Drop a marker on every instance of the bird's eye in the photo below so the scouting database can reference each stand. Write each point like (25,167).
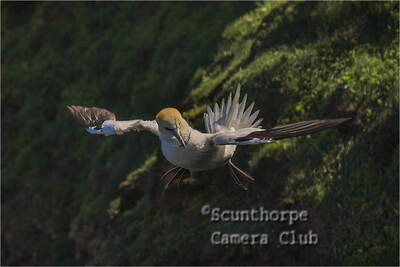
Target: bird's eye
(169,129)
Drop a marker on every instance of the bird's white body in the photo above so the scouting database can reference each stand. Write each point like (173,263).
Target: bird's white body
(200,152)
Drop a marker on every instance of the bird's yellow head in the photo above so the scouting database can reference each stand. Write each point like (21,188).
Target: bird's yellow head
(171,123)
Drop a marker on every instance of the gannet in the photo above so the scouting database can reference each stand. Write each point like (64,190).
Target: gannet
(227,125)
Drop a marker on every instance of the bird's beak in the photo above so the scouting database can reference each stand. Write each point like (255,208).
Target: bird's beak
(177,134)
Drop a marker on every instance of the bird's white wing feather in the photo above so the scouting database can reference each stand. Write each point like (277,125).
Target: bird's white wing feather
(121,127)
(254,136)
(234,137)
(102,121)
(231,116)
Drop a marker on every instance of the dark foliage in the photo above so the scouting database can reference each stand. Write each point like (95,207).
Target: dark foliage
(72,198)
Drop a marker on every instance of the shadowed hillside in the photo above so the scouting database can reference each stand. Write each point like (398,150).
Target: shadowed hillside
(72,198)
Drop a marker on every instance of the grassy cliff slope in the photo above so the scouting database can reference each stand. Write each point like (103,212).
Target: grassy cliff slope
(72,198)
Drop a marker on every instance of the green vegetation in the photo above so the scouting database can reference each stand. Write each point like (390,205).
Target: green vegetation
(73,198)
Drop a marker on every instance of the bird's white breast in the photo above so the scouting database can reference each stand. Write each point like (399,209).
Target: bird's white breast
(199,153)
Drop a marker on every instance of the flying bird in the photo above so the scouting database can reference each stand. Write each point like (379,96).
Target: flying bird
(227,125)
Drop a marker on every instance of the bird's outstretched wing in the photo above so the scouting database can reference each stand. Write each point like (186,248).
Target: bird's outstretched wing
(251,136)
(91,117)
(101,121)
(231,116)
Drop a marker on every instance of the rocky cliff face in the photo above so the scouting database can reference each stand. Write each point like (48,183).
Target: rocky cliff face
(72,198)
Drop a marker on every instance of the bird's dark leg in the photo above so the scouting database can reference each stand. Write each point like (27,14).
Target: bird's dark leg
(168,172)
(173,177)
(181,177)
(242,173)
(236,179)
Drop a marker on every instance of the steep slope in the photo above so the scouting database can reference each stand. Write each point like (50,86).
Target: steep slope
(298,61)
(132,58)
